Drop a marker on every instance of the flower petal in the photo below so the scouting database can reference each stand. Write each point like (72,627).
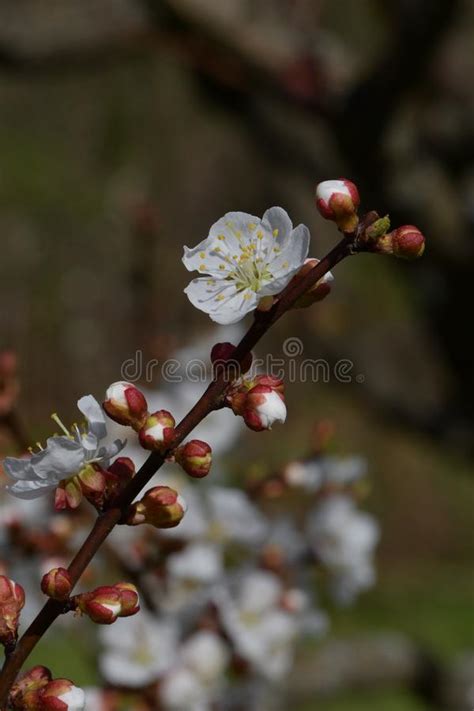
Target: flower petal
(61,458)
(280,225)
(19,468)
(288,262)
(94,414)
(111,450)
(30,489)
(221,300)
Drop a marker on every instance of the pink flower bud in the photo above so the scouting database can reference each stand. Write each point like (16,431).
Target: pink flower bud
(102,605)
(263,407)
(338,200)
(195,457)
(125,404)
(407,242)
(222,353)
(93,484)
(68,494)
(318,291)
(117,476)
(12,600)
(161,507)
(25,692)
(61,695)
(57,584)
(157,431)
(129,600)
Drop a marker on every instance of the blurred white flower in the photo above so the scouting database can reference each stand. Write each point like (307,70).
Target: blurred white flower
(245,258)
(222,515)
(261,632)
(137,650)
(195,682)
(343,538)
(199,562)
(64,456)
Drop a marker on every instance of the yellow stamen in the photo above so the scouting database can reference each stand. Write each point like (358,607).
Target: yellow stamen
(55,418)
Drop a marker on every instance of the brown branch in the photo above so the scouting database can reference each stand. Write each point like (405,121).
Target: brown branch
(206,404)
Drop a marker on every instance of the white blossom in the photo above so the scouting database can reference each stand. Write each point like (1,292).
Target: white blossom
(64,455)
(137,650)
(344,539)
(262,632)
(244,259)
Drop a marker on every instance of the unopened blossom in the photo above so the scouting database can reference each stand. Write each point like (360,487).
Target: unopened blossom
(338,200)
(157,431)
(260,401)
(62,695)
(126,404)
(195,457)
(108,602)
(64,457)
(318,291)
(406,242)
(25,692)
(161,507)
(57,584)
(243,260)
(12,601)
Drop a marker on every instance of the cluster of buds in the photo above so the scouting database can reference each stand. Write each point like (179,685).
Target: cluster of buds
(98,485)
(126,404)
(36,690)
(161,507)
(108,602)
(12,601)
(260,401)
(338,200)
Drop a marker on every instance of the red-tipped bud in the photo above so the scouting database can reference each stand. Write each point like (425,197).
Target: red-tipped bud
(338,200)
(195,457)
(161,507)
(57,584)
(222,356)
(93,483)
(318,291)
(68,494)
(157,431)
(118,475)
(25,692)
(129,600)
(61,695)
(102,605)
(125,404)
(408,242)
(12,600)
(263,407)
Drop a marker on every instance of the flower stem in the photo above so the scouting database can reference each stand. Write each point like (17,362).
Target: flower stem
(106,521)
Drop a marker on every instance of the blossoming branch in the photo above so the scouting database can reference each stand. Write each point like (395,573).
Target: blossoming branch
(246,264)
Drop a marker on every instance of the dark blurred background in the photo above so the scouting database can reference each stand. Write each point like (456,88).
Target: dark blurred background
(129,126)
